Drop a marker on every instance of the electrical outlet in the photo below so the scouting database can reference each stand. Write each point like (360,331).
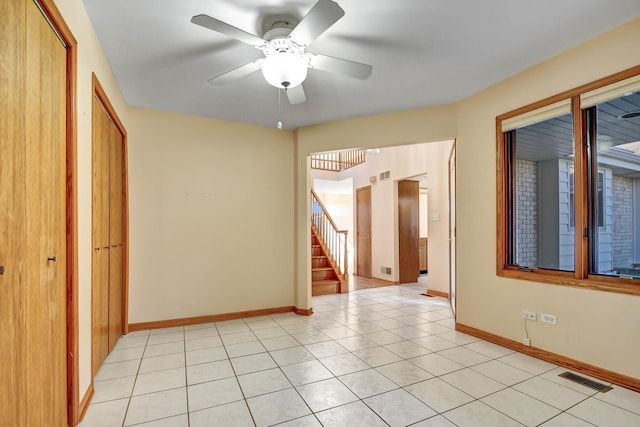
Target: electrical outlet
(529,315)
(526,341)
(548,318)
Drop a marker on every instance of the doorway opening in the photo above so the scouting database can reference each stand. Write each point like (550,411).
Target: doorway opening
(376,222)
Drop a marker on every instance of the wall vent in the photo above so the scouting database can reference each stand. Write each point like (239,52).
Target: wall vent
(385,270)
(385,175)
(585,382)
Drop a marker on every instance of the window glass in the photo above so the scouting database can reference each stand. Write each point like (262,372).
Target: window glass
(541,193)
(615,200)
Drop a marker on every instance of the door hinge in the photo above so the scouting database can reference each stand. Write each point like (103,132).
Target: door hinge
(585,235)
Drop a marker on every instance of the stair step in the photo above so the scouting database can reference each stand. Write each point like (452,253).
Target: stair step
(325,282)
(319,261)
(323,273)
(323,277)
(325,287)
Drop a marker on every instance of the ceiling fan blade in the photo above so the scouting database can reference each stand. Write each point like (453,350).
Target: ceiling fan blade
(340,66)
(236,73)
(323,15)
(296,95)
(228,30)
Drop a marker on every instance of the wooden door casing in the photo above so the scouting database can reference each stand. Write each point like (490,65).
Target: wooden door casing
(452,228)
(408,231)
(363,232)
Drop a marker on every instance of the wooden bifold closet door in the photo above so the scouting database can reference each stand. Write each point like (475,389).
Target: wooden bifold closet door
(33,99)
(108,235)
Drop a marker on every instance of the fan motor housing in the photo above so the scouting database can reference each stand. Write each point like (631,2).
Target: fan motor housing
(278,28)
(274,26)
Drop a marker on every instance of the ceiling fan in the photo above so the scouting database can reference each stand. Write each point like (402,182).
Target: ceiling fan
(284,43)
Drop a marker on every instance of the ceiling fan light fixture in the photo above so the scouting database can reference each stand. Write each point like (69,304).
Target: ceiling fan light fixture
(284,69)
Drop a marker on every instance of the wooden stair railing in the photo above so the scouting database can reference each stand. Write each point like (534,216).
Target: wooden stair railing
(337,161)
(330,243)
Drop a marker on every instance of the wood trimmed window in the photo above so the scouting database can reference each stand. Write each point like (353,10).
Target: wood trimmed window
(568,187)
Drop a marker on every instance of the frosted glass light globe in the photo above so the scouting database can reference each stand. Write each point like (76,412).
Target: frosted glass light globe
(284,70)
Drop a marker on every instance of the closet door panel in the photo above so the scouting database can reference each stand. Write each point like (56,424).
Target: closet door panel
(13,213)
(45,272)
(96,235)
(115,236)
(101,249)
(105,162)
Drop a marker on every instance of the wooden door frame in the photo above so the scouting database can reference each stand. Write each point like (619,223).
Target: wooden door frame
(453,219)
(98,91)
(53,15)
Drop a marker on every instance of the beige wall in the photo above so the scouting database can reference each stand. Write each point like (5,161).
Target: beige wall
(595,327)
(211,214)
(91,59)
(424,213)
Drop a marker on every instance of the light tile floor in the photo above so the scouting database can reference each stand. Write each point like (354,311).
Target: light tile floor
(374,357)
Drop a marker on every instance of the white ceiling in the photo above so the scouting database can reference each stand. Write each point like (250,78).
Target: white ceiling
(423,52)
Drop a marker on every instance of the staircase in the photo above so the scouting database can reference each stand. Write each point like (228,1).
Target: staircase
(329,268)
(324,279)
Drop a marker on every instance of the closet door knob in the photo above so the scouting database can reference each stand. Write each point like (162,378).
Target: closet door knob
(51,259)
(1,270)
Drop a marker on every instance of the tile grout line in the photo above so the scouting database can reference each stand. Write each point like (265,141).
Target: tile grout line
(126,412)
(244,397)
(186,377)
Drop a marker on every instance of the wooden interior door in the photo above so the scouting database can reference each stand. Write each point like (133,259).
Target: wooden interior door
(408,230)
(96,237)
(363,232)
(452,228)
(116,235)
(104,212)
(46,337)
(107,234)
(33,341)
(100,236)
(13,213)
